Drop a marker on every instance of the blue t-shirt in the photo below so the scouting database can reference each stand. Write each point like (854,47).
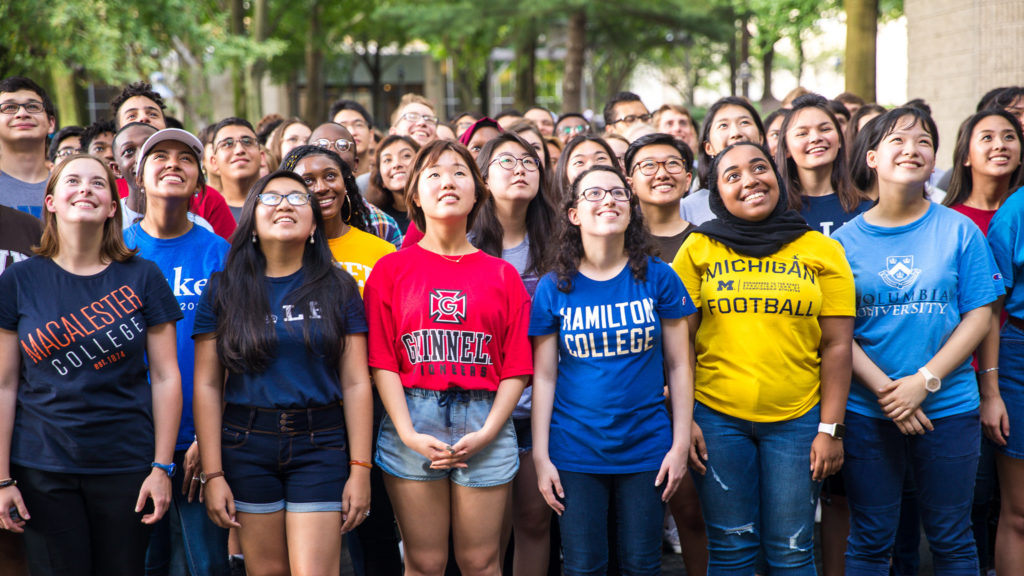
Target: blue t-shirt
(297,377)
(825,213)
(913,284)
(1007,243)
(84,401)
(609,414)
(187,263)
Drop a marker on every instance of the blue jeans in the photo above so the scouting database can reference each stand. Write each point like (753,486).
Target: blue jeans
(757,493)
(185,541)
(945,462)
(584,524)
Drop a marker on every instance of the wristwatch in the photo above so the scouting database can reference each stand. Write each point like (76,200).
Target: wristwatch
(932,383)
(837,430)
(204,477)
(168,468)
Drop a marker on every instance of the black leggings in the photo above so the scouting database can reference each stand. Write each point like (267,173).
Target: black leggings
(83,524)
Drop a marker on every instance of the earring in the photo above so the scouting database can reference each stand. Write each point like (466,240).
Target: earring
(253,237)
(311,239)
(348,203)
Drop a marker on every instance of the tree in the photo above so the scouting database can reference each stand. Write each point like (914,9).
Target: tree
(861,34)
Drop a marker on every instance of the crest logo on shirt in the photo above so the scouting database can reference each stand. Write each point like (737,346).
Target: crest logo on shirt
(899,271)
(448,306)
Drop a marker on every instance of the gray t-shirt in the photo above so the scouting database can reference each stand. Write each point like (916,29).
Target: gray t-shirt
(519,257)
(695,208)
(24,196)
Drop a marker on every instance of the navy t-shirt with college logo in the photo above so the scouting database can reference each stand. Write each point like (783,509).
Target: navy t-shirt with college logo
(84,400)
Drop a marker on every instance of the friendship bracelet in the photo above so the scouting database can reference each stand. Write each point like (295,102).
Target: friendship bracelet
(987,370)
(362,463)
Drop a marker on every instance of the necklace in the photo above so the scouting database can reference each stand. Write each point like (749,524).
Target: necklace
(456,260)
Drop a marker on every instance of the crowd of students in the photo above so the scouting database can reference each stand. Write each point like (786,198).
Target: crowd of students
(465,337)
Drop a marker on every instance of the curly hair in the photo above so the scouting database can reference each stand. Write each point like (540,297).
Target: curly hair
(144,89)
(359,213)
(637,242)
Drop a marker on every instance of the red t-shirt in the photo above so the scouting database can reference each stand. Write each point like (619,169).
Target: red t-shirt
(412,236)
(441,324)
(211,206)
(977,215)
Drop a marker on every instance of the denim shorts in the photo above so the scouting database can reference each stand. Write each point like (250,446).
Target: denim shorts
(1011,386)
(448,416)
(294,460)
(524,434)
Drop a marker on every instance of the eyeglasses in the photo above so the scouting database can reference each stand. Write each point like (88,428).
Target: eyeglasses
(573,129)
(295,198)
(633,118)
(340,145)
(32,107)
(415,117)
(650,167)
(508,162)
(598,194)
(229,143)
(65,152)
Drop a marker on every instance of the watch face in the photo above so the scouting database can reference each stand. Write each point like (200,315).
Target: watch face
(932,384)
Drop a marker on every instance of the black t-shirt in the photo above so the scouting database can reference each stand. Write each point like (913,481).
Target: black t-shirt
(84,401)
(18,233)
(669,245)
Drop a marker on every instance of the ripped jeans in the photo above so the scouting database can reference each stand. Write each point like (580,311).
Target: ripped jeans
(757,494)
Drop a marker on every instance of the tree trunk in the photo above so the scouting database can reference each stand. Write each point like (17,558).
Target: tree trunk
(238,71)
(767,65)
(258,70)
(65,95)
(526,66)
(314,111)
(744,66)
(801,59)
(861,34)
(575,48)
(733,64)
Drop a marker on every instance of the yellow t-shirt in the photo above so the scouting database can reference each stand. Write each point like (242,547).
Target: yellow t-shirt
(357,252)
(758,340)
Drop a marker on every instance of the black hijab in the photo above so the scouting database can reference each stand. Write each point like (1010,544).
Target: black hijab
(756,239)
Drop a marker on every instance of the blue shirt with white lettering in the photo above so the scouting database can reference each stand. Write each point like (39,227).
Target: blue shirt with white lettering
(825,213)
(297,377)
(914,282)
(609,414)
(187,263)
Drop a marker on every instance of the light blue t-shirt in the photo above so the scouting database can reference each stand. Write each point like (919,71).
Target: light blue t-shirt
(1007,243)
(187,263)
(696,208)
(609,414)
(913,284)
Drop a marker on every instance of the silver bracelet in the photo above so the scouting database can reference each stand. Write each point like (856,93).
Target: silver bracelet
(987,370)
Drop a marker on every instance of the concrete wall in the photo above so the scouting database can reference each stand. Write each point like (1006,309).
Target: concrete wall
(957,51)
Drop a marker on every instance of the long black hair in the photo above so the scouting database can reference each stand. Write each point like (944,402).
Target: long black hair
(560,177)
(570,253)
(961,182)
(487,233)
(864,177)
(849,197)
(246,339)
(357,214)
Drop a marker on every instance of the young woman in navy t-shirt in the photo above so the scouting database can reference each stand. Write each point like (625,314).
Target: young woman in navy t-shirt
(285,440)
(87,427)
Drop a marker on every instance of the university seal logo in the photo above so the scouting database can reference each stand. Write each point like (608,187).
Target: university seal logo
(448,306)
(899,271)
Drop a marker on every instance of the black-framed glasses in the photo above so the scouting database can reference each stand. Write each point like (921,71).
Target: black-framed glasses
(295,198)
(650,167)
(229,143)
(339,145)
(580,129)
(633,118)
(32,107)
(596,194)
(415,117)
(508,162)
